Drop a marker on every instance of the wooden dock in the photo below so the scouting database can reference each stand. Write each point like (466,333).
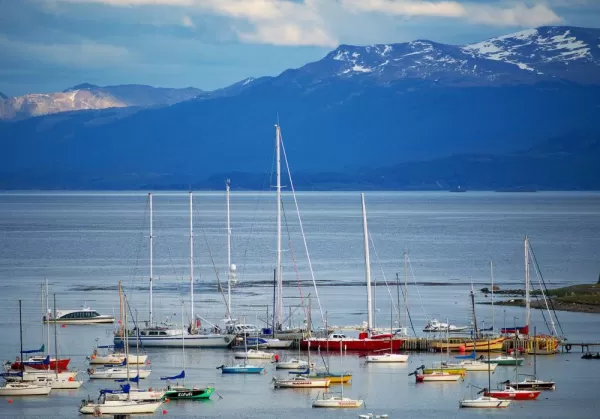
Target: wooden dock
(585,347)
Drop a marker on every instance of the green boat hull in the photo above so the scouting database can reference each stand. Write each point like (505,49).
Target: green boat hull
(189,393)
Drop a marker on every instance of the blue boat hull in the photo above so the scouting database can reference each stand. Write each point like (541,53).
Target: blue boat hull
(235,370)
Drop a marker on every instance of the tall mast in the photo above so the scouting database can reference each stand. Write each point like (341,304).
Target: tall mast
(527,302)
(137,349)
(48,323)
(406,288)
(21,337)
(182,345)
(227,186)
(150,319)
(191,261)
(367,265)
(279,308)
(127,347)
(55,341)
(492,273)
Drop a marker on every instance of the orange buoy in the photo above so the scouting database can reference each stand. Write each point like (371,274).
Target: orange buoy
(462,349)
(71,378)
(94,356)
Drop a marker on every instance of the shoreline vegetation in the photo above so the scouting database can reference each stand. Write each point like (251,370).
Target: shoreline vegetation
(582,298)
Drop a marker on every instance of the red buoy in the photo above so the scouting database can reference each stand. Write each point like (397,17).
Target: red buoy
(165,412)
(9,401)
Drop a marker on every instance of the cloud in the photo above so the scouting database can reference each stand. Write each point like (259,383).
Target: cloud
(407,8)
(519,15)
(502,14)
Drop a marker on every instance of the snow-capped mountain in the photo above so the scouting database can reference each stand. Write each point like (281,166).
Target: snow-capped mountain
(88,96)
(567,53)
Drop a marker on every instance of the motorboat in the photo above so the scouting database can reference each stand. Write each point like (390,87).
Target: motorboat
(24,389)
(510,393)
(387,358)
(254,354)
(292,364)
(337,400)
(301,381)
(84,315)
(241,369)
(434,326)
(277,343)
(484,402)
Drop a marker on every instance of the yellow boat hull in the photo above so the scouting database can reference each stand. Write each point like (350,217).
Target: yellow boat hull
(339,380)
(480,345)
(453,371)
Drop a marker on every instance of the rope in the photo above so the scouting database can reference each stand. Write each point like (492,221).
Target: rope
(382,272)
(418,292)
(312,274)
(294,260)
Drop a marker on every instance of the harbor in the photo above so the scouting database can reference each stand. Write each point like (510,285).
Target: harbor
(424,325)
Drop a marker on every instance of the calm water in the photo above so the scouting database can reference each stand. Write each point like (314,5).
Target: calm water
(84,243)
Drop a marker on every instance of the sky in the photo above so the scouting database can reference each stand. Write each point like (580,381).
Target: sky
(50,45)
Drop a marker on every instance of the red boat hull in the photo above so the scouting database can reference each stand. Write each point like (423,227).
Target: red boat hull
(63,364)
(355,345)
(513,395)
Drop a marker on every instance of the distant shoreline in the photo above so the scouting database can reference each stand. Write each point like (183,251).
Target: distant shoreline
(582,298)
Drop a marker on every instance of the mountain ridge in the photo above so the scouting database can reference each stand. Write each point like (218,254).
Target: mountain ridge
(336,117)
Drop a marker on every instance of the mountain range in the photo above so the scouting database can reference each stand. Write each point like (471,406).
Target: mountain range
(407,116)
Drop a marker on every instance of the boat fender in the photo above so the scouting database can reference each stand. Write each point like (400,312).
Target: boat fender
(91,371)
(568,347)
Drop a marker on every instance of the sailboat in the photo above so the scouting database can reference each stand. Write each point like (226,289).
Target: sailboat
(244,368)
(485,401)
(178,392)
(112,372)
(367,341)
(57,382)
(40,362)
(165,336)
(531,382)
(390,356)
(106,405)
(21,388)
(337,400)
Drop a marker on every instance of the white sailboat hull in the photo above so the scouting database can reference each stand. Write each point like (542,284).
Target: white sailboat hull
(57,383)
(484,402)
(191,341)
(253,354)
(338,402)
(117,373)
(137,395)
(117,359)
(24,389)
(35,375)
(111,407)
(387,358)
(278,344)
(293,364)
